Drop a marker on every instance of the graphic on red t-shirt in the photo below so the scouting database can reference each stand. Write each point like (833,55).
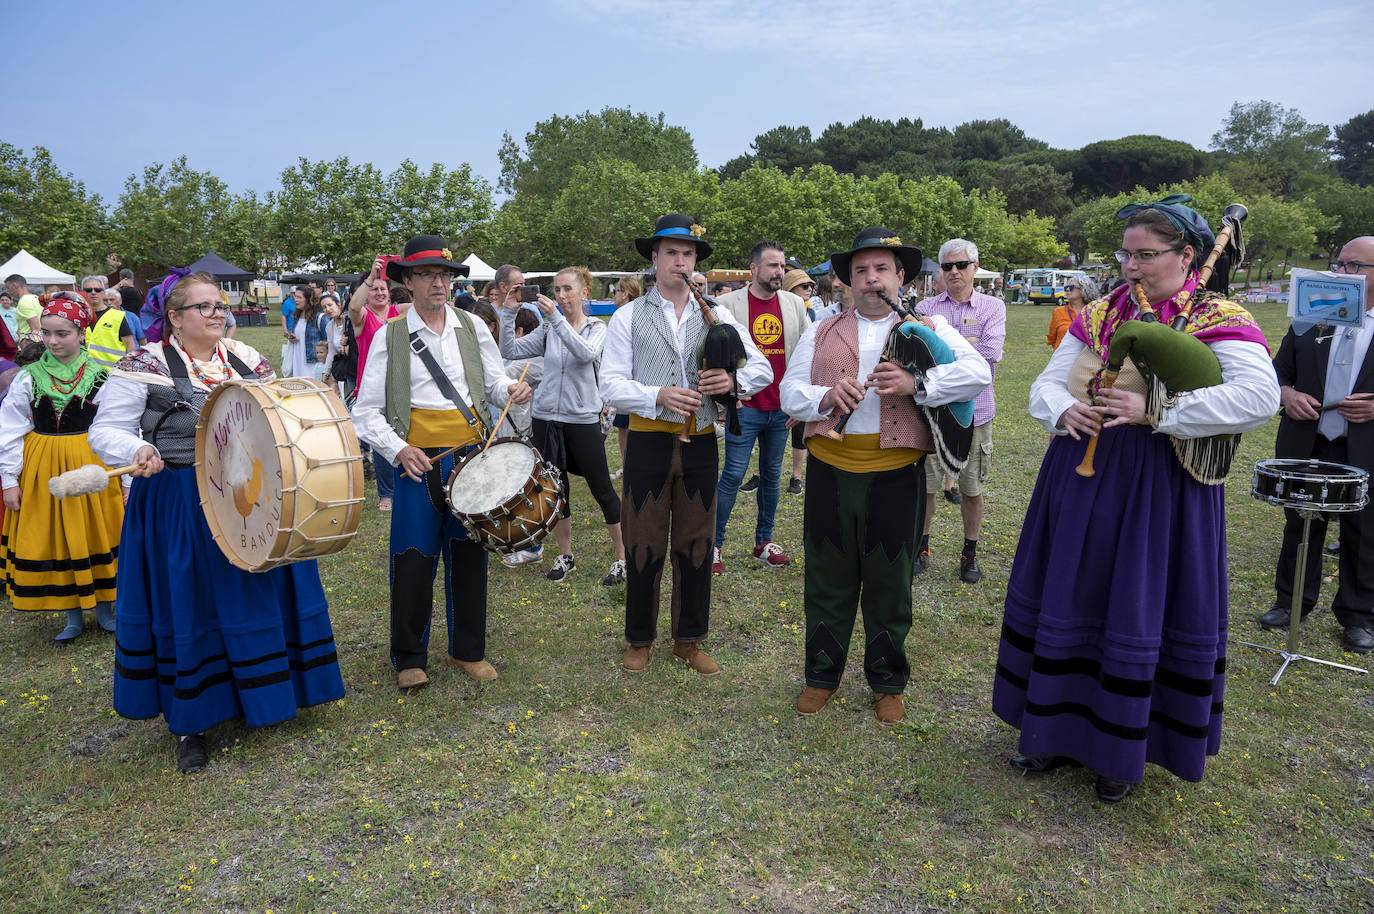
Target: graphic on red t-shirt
(765,327)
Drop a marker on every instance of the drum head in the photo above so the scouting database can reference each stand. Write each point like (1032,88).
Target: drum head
(486,480)
(240,474)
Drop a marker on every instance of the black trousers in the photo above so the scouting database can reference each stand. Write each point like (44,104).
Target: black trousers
(1353,604)
(670,488)
(579,449)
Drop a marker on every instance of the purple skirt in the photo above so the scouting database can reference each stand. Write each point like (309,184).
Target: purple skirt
(1113,646)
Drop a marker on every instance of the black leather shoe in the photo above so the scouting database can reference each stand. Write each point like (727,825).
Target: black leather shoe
(191,754)
(953,497)
(1359,640)
(1276,619)
(750,484)
(1111,791)
(969,572)
(921,564)
(1042,764)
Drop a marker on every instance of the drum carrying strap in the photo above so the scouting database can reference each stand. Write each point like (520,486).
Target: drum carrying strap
(417,346)
(176,367)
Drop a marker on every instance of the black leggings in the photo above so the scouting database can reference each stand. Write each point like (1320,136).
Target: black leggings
(578,449)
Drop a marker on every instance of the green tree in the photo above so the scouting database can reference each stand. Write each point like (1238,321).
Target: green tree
(1142,160)
(334,215)
(991,140)
(1027,188)
(1353,147)
(47,212)
(440,201)
(1277,137)
(555,146)
(243,233)
(168,217)
(1349,212)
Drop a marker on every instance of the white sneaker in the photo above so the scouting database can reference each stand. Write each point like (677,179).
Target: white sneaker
(562,567)
(617,474)
(523,557)
(616,575)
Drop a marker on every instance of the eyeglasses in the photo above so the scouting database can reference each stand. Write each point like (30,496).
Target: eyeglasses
(957,265)
(207,309)
(1349,266)
(1143,256)
(432,275)
(805,285)
(96,290)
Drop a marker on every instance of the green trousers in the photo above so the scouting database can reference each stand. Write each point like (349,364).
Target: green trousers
(860,533)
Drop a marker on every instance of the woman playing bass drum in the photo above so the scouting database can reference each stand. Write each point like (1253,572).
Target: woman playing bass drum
(198,640)
(1114,631)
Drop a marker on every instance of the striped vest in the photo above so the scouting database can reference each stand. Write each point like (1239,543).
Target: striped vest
(655,359)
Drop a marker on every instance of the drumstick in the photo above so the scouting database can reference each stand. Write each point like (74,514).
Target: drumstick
(502,418)
(86,480)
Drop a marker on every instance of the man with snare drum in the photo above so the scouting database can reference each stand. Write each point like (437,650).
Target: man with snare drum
(411,408)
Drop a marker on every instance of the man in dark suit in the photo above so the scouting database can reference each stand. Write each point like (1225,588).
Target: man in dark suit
(1336,371)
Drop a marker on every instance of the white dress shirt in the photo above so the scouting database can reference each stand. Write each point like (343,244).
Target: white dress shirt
(1246,398)
(959,380)
(16,421)
(369,411)
(618,387)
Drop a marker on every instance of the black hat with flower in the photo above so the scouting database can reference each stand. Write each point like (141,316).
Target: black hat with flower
(878,237)
(679,227)
(424,251)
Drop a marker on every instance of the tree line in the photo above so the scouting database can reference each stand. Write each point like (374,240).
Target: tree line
(577,188)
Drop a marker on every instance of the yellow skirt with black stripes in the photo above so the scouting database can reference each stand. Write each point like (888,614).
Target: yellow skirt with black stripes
(60,554)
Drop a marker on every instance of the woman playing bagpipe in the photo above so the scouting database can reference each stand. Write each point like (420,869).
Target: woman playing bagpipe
(1114,634)
(199,640)
(57,554)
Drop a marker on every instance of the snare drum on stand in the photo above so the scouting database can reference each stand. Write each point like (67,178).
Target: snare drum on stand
(1311,488)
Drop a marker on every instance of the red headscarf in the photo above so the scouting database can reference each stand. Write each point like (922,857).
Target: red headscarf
(73,306)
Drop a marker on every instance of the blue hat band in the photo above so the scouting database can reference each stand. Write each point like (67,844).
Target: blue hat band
(675,231)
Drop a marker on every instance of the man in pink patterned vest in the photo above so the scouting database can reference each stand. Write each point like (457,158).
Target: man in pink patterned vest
(865,493)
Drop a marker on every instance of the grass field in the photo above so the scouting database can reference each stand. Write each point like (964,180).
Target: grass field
(568,785)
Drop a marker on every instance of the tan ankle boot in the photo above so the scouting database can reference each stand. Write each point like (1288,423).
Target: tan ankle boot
(812,699)
(696,658)
(411,678)
(479,670)
(636,658)
(890,708)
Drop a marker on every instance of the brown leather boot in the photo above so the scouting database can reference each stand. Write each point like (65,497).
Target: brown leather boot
(479,670)
(696,658)
(812,699)
(636,658)
(411,678)
(890,708)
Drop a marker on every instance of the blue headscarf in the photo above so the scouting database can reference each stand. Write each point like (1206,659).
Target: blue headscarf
(1187,220)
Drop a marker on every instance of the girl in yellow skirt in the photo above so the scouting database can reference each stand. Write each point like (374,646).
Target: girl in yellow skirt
(57,554)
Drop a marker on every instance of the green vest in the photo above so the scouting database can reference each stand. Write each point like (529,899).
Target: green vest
(398,371)
(102,340)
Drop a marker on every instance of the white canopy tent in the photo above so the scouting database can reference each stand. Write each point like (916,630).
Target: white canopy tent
(478,269)
(985,274)
(35,271)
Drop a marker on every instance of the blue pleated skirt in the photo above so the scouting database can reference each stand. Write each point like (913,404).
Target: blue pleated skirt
(200,641)
(1113,647)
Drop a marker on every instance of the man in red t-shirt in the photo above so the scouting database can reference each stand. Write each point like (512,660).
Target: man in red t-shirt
(775,320)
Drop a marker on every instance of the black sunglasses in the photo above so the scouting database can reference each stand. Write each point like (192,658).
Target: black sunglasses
(93,291)
(957,265)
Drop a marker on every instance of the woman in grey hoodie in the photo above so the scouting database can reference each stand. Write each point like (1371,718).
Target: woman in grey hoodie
(566,408)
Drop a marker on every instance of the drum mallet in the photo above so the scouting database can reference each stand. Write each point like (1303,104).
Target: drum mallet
(433,461)
(86,480)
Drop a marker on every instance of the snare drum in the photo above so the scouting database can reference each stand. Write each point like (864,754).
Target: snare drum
(1317,485)
(279,471)
(507,497)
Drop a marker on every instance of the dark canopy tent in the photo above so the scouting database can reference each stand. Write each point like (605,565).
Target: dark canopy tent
(221,269)
(929,267)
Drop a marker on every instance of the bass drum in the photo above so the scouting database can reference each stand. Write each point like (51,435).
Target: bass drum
(279,470)
(507,497)
(1319,485)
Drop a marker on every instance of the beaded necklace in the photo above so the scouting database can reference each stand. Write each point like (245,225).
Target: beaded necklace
(196,370)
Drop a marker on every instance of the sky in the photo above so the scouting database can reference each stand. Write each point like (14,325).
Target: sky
(245,89)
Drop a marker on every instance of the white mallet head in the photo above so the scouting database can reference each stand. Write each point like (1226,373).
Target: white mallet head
(87,480)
